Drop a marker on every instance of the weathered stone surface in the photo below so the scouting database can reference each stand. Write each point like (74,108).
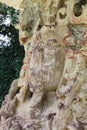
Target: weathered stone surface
(12,3)
(51,92)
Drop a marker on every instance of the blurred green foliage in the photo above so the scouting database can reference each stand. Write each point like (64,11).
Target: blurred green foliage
(11,53)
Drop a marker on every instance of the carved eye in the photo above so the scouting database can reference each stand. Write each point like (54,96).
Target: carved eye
(63,12)
(62,16)
(77,10)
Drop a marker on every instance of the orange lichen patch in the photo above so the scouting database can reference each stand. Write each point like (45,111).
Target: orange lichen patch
(25,67)
(72,54)
(78,20)
(44,1)
(35,39)
(28,56)
(67,43)
(24,40)
(77,52)
(65,39)
(69,52)
(25,60)
(28,53)
(84,56)
(84,42)
(73,57)
(75,20)
(85,32)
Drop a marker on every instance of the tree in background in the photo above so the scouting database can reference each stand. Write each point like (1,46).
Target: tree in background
(11,53)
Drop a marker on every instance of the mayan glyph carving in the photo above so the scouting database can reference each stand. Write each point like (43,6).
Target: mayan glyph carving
(51,92)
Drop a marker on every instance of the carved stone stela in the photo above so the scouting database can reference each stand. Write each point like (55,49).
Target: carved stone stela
(51,92)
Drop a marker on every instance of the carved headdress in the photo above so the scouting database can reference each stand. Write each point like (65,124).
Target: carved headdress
(49,11)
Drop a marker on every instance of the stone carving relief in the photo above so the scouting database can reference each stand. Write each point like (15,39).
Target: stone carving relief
(51,92)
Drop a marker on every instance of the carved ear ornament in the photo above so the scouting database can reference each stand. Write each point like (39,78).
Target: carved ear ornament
(78,12)
(74,12)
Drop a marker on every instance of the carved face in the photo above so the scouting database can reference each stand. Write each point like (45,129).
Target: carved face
(46,68)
